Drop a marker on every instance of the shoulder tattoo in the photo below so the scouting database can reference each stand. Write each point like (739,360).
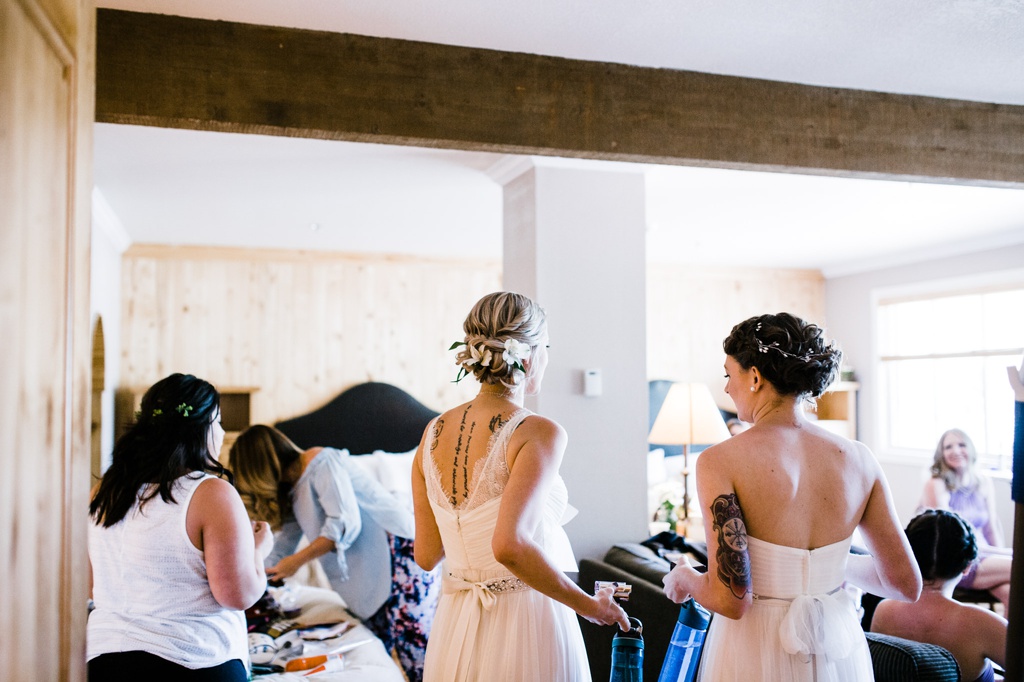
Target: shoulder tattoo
(497,422)
(437,433)
(733,559)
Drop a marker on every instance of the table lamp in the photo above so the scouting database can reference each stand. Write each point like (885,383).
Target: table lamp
(688,417)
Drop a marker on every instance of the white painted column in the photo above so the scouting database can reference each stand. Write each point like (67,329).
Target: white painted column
(574,242)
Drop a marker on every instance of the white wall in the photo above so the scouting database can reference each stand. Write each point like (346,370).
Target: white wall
(850,320)
(109,241)
(574,240)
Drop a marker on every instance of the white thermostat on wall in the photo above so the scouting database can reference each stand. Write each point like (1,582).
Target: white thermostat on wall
(591,383)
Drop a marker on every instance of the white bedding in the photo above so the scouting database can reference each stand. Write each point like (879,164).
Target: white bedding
(366,663)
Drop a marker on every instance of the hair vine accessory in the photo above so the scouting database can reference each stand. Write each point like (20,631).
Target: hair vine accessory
(774,345)
(183,409)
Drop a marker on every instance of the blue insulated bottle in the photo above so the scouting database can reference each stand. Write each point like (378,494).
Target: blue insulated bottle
(628,654)
(687,639)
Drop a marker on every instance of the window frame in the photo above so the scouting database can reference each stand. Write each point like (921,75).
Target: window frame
(1002,280)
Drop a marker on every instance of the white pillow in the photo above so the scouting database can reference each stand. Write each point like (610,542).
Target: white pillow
(394,471)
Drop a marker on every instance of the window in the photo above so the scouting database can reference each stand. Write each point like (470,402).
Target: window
(943,362)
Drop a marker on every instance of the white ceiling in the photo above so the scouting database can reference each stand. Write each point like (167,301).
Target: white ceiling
(189,187)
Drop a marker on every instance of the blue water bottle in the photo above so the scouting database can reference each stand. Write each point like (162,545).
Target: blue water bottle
(687,639)
(628,654)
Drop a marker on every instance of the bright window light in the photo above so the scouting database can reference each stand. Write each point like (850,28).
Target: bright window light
(943,365)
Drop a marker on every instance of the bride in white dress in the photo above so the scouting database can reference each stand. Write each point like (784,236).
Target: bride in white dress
(781,502)
(489,500)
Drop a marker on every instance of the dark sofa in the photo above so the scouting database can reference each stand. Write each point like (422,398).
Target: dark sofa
(893,659)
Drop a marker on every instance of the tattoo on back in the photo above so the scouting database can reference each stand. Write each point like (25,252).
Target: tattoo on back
(733,559)
(437,434)
(497,422)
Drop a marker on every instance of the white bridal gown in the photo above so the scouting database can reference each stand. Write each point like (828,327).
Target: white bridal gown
(801,626)
(490,627)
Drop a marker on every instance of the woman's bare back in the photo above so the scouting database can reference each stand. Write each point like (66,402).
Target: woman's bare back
(798,486)
(462,438)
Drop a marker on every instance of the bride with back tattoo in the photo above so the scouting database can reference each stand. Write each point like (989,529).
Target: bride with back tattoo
(782,500)
(490,502)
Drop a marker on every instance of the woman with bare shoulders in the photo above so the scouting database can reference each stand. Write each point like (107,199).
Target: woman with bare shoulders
(945,548)
(489,501)
(958,485)
(175,560)
(781,502)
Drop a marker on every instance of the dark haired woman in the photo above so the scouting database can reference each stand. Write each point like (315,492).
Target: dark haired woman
(360,533)
(800,492)
(175,560)
(945,548)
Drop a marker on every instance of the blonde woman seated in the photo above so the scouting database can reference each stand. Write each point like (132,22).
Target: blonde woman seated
(958,486)
(945,548)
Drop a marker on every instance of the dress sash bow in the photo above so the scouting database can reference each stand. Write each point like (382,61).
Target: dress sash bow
(480,590)
(803,630)
(484,595)
(820,629)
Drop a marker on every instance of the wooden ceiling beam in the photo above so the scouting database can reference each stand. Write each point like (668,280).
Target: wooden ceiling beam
(210,75)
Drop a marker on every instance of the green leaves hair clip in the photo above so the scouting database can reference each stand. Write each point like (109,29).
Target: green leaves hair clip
(183,409)
(462,368)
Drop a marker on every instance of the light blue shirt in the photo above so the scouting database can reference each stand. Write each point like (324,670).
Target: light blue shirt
(338,499)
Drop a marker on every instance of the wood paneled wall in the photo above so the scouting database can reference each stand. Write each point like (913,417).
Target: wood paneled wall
(301,327)
(298,326)
(46,110)
(690,311)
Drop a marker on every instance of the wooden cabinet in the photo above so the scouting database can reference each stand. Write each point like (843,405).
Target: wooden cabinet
(836,409)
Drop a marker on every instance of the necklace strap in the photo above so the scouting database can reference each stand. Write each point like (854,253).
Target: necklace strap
(505,393)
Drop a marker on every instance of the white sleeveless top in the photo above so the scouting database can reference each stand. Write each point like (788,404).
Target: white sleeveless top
(151,591)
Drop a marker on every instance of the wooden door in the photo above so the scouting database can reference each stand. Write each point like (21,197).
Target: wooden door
(46,109)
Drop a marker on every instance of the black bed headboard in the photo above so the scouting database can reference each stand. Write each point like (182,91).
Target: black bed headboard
(366,417)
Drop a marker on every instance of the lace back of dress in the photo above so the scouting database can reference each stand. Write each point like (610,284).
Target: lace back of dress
(490,472)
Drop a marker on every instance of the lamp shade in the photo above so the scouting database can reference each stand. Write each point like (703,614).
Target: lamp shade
(688,416)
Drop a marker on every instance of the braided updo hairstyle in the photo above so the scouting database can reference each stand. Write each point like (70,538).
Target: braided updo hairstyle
(790,353)
(943,543)
(493,320)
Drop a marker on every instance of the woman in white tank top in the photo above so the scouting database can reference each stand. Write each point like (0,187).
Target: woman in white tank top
(175,560)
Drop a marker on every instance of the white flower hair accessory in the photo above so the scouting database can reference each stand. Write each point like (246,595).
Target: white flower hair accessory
(515,353)
(476,357)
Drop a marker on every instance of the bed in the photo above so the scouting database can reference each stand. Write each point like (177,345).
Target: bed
(383,424)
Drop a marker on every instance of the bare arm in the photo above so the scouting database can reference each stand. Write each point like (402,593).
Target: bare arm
(233,548)
(1017,381)
(935,495)
(994,530)
(990,633)
(536,451)
(726,587)
(290,564)
(427,548)
(890,569)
